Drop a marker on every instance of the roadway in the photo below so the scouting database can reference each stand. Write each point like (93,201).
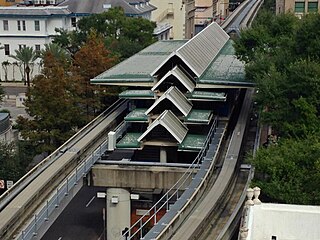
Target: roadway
(82,219)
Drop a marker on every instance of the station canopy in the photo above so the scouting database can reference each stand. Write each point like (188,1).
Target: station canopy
(137,115)
(171,123)
(209,56)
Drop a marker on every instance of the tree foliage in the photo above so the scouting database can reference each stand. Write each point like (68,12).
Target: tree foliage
(91,60)
(26,56)
(53,106)
(124,35)
(285,67)
(290,171)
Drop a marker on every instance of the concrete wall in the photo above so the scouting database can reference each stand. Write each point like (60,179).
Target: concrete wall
(284,221)
(176,19)
(141,177)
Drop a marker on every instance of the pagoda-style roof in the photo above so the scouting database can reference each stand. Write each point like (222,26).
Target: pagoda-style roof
(192,142)
(137,94)
(209,57)
(198,116)
(200,50)
(179,75)
(177,98)
(207,96)
(171,123)
(137,115)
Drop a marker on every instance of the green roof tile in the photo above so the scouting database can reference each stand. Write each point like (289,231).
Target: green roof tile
(129,141)
(198,116)
(137,115)
(192,142)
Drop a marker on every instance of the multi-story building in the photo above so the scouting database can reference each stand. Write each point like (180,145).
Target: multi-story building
(9,2)
(34,26)
(298,7)
(28,26)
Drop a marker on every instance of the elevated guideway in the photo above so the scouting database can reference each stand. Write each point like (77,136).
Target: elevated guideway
(41,187)
(31,200)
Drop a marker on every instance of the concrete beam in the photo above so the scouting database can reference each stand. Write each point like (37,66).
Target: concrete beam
(139,177)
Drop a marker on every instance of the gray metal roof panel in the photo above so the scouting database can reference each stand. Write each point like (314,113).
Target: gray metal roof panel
(97,6)
(201,50)
(171,123)
(140,65)
(180,75)
(177,98)
(33,11)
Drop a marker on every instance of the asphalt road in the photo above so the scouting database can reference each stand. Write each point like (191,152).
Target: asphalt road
(82,219)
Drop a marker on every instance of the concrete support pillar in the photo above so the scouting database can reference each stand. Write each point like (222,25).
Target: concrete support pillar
(163,155)
(118,212)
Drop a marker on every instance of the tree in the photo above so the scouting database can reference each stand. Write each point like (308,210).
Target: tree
(60,54)
(10,168)
(124,35)
(289,172)
(26,56)
(53,105)
(285,68)
(91,60)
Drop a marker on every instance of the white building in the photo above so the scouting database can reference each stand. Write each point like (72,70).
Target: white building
(35,26)
(28,26)
(270,221)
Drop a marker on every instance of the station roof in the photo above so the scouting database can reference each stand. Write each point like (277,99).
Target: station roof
(198,116)
(171,123)
(138,67)
(192,142)
(137,115)
(177,98)
(178,74)
(139,94)
(209,55)
(129,141)
(207,96)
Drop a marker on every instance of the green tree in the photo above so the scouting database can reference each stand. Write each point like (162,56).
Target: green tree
(290,171)
(10,168)
(53,105)
(26,56)
(59,53)
(124,35)
(92,59)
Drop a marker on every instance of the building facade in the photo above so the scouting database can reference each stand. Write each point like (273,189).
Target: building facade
(28,26)
(299,7)
(34,26)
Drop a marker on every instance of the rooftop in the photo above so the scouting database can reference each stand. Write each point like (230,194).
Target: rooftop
(99,6)
(283,221)
(223,69)
(46,11)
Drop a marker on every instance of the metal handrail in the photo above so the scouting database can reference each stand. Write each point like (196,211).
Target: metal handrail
(11,193)
(174,190)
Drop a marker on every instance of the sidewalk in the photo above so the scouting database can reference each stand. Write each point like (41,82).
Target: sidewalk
(13,84)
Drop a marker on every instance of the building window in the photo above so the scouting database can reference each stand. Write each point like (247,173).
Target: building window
(21,46)
(312,6)
(37,49)
(21,23)
(73,22)
(299,7)
(37,25)
(6,49)
(5,25)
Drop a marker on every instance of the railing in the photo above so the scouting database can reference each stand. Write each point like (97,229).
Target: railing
(8,195)
(60,194)
(173,193)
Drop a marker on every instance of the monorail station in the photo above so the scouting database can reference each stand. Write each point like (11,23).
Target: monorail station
(178,92)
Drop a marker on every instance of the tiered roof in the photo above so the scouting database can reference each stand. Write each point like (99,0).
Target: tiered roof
(205,61)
